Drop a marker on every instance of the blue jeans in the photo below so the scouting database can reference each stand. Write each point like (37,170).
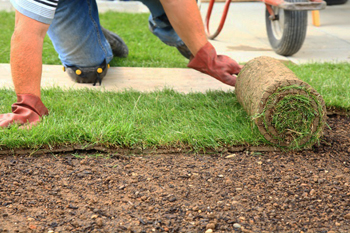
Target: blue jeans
(77,37)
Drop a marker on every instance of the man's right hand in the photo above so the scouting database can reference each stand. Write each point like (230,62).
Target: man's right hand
(221,67)
(28,109)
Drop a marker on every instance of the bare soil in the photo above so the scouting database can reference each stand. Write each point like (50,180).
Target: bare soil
(307,191)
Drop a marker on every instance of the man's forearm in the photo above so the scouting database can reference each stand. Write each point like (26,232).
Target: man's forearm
(26,65)
(185,18)
(26,54)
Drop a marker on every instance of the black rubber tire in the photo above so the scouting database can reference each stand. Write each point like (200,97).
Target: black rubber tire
(335,2)
(293,35)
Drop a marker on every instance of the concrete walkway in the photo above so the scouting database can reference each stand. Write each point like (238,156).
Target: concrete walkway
(243,38)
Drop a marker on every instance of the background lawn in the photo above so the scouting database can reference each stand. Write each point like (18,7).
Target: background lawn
(145,49)
(146,120)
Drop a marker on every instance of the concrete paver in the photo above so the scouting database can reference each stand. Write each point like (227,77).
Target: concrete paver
(121,78)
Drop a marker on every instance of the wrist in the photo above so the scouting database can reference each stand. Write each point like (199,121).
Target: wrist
(32,102)
(205,55)
(198,46)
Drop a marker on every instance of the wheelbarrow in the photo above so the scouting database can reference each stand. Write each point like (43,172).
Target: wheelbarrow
(286,22)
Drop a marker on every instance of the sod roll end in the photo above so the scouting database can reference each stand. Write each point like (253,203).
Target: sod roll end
(287,111)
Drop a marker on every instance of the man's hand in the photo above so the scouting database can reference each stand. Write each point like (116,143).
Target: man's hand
(28,109)
(220,67)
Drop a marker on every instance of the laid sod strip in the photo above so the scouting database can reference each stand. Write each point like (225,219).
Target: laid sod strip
(134,120)
(287,111)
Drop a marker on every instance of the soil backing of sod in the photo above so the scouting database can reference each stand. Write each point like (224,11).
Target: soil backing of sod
(287,111)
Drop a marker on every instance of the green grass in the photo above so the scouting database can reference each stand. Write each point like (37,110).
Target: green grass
(145,49)
(159,119)
(332,81)
(6,27)
(135,120)
(288,115)
(293,118)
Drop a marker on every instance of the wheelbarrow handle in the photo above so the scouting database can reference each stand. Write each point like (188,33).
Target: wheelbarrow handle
(222,21)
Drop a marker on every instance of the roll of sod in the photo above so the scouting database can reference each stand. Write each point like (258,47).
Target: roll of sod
(288,112)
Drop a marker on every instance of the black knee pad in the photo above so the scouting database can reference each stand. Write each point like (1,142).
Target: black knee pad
(92,74)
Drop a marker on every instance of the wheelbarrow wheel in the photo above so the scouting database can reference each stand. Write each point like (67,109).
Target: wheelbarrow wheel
(287,31)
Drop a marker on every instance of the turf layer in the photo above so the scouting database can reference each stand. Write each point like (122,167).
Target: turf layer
(131,119)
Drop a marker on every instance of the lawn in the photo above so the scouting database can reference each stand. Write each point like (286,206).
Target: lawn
(146,50)
(135,120)
(165,118)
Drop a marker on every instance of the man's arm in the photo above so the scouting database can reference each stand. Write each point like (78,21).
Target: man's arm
(185,18)
(26,54)
(26,67)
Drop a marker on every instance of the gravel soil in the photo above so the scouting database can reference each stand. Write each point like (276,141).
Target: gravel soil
(306,191)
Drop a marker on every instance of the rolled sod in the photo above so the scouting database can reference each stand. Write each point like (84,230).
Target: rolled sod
(287,111)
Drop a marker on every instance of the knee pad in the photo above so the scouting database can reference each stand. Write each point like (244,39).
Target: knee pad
(92,74)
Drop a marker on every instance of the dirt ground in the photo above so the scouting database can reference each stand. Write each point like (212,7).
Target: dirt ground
(306,191)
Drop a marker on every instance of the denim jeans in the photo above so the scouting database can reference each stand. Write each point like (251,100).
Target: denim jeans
(77,37)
